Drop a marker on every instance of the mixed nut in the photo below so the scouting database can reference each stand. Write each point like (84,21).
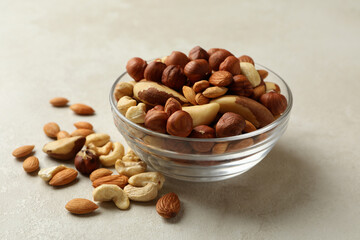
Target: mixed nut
(205,94)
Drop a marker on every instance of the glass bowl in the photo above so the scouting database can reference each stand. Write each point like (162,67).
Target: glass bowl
(175,157)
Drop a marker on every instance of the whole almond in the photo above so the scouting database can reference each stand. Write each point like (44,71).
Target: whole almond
(246,58)
(168,206)
(23,151)
(189,94)
(82,132)
(201,99)
(80,206)
(63,177)
(99,173)
(82,109)
(120,180)
(263,73)
(84,125)
(31,164)
(51,129)
(220,148)
(249,127)
(62,134)
(221,78)
(214,92)
(59,101)
(201,86)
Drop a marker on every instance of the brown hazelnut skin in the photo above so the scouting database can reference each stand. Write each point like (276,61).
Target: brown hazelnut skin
(230,124)
(198,53)
(136,67)
(172,105)
(156,120)
(86,161)
(231,64)
(217,58)
(177,58)
(197,70)
(202,131)
(173,77)
(156,108)
(246,58)
(154,70)
(241,86)
(275,102)
(179,124)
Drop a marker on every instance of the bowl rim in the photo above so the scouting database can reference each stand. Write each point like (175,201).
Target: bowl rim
(258,132)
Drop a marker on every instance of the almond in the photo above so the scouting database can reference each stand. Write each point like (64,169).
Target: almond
(62,134)
(82,109)
(59,101)
(63,177)
(51,129)
(214,92)
(249,127)
(168,205)
(201,99)
(189,94)
(84,125)
(99,173)
(31,164)
(120,180)
(263,73)
(23,151)
(201,86)
(80,206)
(221,78)
(246,58)
(82,132)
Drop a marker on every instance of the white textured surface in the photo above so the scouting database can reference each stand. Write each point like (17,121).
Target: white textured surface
(307,187)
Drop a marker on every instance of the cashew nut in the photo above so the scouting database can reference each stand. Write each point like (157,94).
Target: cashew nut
(141,179)
(142,194)
(125,103)
(110,192)
(104,150)
(98,139)
(130,156)
(137,113)
(130,168)
(117,153)
(46,174)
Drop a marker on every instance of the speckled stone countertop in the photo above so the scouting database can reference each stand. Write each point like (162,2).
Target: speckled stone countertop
(306,188)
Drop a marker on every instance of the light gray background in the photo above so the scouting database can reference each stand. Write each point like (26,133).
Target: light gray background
(307,187)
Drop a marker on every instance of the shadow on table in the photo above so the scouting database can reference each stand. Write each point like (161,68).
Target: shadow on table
(281,182)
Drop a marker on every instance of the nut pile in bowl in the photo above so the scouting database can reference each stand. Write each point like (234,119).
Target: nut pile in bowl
(206,116)
(205,94)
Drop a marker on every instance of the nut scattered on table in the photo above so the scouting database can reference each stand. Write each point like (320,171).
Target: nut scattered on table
(168,206)
(23,151)
(81,206)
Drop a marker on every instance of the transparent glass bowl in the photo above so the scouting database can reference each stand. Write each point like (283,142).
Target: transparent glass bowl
(175,156)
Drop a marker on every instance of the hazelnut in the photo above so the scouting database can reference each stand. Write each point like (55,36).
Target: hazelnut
(197,69)
(202,131)
(174,77)
(213,50)
(156,120)
(198,53)
(201,86)
(201,99)
(230,124)
(275,102)
(154,70)
(136,67)
(172,105)
(240,145)
(177,58)
(241,86)
(231,64)
(221,78)
(179,124)
(246,58)
(158,108)
(86,161)
(217,58)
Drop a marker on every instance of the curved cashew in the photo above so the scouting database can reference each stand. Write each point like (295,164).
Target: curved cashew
(142,194)
(130,168)
(130,156)
(117,153)
(110,192)
(125,103)
(104,150)
(137,113)
(46,174)
(98,139)
(141,179)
